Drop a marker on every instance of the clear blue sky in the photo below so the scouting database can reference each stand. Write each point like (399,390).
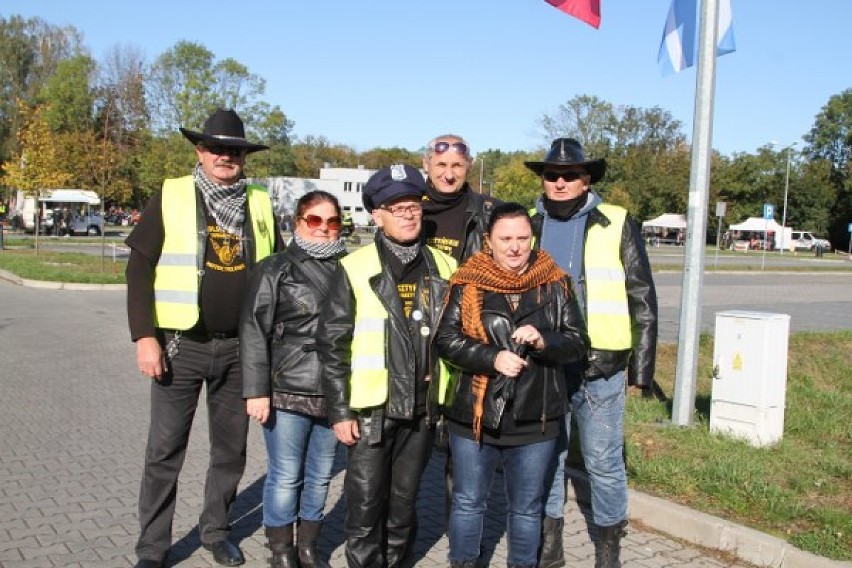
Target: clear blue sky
(398,72)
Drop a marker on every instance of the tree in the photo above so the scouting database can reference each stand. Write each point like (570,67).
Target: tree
(586,118)
(376,158)
(314,152)
(513,181)
(68,95)
(830,139)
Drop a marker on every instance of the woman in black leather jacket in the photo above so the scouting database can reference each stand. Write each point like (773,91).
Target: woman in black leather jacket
(281,378)
(510,325)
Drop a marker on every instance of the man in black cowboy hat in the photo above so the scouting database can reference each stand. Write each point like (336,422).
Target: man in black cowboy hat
(602,249)
(190,255)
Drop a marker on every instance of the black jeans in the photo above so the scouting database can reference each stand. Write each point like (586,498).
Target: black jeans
(174,399)
(381,492)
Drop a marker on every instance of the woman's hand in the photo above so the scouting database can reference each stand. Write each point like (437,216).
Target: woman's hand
(258,408)
(528,335)
(509,364)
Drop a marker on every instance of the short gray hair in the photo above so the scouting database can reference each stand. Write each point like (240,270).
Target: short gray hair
(431,145)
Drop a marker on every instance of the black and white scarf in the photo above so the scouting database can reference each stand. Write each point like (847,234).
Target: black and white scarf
(405,253)
(226,203)
(320,250)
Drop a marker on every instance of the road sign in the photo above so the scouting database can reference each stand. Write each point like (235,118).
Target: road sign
(720,208)
(768,211)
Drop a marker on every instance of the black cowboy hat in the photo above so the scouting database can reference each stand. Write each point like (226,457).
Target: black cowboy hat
(569,152)
(223,128)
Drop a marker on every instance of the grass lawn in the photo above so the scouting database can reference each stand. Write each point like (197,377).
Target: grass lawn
(62,266)
(799,489)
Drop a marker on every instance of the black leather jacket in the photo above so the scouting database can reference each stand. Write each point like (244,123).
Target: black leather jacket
(476,220)
(334,338)
(541,391)
(641,303)
(278,324)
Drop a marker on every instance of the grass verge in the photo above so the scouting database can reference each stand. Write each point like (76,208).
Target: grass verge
(62,267)
(799,489)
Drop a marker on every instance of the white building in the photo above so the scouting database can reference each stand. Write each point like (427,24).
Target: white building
(346,184)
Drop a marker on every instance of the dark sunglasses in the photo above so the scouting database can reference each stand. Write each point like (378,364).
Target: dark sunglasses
(441,147)
(225,150)
(553,176)
(315,222)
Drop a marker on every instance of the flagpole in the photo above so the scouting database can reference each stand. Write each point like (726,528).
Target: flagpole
(683,404)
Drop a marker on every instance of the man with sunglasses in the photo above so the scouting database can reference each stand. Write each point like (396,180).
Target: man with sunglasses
(189,260)
(602,249)
(381,376)
(454,216)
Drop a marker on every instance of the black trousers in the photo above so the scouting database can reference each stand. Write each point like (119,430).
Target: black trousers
(381,486)
(215,365)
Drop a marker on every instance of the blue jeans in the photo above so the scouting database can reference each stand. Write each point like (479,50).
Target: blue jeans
(300,451)
(474,465)
(599,410)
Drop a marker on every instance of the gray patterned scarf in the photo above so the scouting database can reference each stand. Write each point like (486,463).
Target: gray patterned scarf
(320,250)
(226,203)
(405,253)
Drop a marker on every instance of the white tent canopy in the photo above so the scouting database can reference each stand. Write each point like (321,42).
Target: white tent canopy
(667,221)
(758,224)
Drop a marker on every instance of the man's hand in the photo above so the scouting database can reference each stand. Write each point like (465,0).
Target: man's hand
(258,408)
(347,432)
(509,364)
(150,358)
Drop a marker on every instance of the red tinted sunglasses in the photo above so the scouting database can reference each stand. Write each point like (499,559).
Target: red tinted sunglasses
(441,147)
(315,222)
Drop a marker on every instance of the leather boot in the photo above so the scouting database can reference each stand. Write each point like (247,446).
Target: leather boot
(608,548)
(465,564)
(552,551)
(306,542)
(280,542)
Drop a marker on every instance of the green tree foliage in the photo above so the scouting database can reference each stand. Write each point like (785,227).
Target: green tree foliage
(381,157)
(830,139)
(35,167)
(314,152)
(513,181)
(69,96)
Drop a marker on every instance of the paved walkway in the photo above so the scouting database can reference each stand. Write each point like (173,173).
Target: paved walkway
(73,422)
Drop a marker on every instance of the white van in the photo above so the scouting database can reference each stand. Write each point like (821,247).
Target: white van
(64,212)
(804,240)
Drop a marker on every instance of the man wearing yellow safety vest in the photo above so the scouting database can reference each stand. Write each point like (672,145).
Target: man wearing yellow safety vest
(381,377)
(601,247)
(189,262)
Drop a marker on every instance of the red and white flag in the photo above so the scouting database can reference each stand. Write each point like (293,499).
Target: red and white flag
(587,10)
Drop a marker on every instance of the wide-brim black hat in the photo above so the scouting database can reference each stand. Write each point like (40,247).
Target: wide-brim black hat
(223,128)
(569,152)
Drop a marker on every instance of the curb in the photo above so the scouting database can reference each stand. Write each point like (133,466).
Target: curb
(49,285)
(711,532)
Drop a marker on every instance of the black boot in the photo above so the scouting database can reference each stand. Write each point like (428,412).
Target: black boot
(608,548)
(552,551)
(465,564)
(281,544)
(306,541)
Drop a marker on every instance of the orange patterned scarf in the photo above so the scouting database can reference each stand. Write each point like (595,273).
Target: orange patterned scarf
(480,274)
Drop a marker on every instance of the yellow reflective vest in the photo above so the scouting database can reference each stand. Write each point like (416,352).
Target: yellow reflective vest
(177,277)
(607,311)
(368,382)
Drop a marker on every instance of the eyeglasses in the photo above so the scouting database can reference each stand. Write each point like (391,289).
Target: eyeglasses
(225,150)
(553,176)
(413,209)
(315,222)
(441,147)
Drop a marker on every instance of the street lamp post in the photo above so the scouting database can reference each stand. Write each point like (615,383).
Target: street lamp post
(784,210)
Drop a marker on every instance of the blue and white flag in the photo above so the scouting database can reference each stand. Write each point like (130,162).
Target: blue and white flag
(680,41)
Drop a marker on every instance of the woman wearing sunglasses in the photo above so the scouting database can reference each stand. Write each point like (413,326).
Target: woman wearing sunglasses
(281,379)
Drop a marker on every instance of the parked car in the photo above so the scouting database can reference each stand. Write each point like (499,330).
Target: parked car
(804,240)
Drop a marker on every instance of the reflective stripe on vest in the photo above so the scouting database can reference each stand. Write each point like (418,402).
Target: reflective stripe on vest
(607,314)
(176,278)
(368,383)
